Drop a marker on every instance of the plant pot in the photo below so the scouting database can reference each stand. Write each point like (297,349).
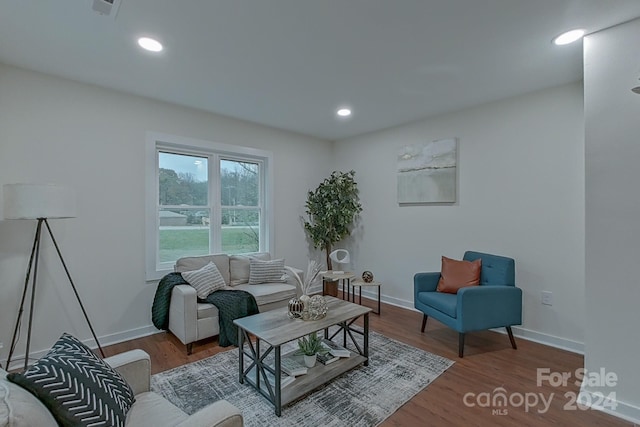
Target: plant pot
(331,288)
(310,361)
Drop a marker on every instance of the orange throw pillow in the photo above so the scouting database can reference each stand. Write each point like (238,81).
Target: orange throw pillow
(458,274)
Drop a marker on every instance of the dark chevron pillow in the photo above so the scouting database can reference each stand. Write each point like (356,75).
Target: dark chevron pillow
(76,386)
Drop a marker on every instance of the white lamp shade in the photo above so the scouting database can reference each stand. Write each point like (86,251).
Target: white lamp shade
(32,201)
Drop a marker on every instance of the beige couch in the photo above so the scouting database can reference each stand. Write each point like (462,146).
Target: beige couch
(191,321)
(20,408)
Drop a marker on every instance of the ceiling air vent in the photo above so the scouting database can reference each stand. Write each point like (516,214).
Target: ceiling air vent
(106,7)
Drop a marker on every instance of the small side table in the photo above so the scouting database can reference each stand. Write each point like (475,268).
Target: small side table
(359,283)
(344,277)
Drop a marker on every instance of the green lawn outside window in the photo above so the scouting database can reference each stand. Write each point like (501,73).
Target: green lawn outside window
(181,242)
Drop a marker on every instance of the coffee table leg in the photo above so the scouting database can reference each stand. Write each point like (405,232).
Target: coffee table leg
(345,329)
(258,363)
(366,338)
(278,402)
(240,355)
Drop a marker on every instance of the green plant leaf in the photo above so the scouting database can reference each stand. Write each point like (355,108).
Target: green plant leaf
(332,209)
(310,345)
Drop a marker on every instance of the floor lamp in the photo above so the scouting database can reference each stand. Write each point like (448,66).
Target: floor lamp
(39,202)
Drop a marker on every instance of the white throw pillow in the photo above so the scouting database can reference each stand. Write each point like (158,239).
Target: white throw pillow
(205,280)
(239,266)
(265,271)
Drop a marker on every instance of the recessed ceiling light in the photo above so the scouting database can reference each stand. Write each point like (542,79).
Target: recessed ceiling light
(344,112)
(150,44)
(569,37)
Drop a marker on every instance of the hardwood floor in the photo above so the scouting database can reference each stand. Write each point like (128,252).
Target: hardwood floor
(489,363)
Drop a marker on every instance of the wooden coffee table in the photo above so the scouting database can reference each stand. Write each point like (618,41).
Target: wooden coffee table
(274,328)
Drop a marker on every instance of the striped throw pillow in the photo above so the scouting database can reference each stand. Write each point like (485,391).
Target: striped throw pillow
(265,271)
(205,280)
(77,387)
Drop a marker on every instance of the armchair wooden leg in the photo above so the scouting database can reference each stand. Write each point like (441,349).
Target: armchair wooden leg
(513,341)
(460,344)
(424,322)
(189,348)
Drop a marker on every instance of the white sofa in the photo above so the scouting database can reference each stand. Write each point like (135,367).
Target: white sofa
(20,408)
(191,321)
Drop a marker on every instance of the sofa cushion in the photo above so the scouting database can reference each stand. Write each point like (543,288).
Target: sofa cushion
(458,274)
(206,310)
(195,262)
(153,410)
(19,408)
(266,271)
(239,266)
(269,292)
(444,302)
(205,280)
(76,386)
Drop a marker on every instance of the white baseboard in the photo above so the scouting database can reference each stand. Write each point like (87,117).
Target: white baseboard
(17,360)
(119,337)
(520,332)
(546,339)
(622,410)
(373,295)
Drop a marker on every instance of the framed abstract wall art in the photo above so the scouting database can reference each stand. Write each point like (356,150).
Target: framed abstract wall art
(427,172)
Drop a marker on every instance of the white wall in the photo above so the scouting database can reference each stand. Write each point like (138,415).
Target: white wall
(520,194)
(612,113)
(60,131)
(521,179)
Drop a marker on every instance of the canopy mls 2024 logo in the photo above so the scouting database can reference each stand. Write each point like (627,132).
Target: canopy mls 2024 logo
(499,401)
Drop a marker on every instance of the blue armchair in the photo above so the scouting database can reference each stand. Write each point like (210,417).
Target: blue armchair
(495,303)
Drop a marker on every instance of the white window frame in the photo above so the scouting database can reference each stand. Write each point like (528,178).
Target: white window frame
(215,151)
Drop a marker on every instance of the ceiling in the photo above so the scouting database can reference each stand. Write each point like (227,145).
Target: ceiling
(290,64)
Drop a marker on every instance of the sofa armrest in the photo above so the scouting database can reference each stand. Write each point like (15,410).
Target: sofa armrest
(485,307)
(425,282)
(135,367)
(183,313)
(219,414)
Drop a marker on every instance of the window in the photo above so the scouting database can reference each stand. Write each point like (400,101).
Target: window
(204,198)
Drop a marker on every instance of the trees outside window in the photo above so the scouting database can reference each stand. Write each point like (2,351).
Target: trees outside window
(204,201)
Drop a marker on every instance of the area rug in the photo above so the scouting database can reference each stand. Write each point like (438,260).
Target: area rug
(364,396)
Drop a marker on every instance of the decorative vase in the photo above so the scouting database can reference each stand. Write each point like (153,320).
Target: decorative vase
(310,361)
(305,298)
(316,308)
(296,308)
(367,276)
(305,310)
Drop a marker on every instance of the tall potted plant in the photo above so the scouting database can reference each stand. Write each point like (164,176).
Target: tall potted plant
(332,209)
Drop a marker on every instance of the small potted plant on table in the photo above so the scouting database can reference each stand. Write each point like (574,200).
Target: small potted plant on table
(309,347)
